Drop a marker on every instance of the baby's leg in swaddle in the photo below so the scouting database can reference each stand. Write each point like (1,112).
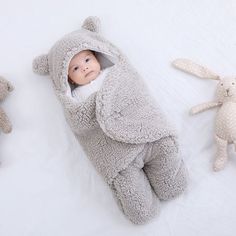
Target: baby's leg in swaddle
(165,170)
(134,194)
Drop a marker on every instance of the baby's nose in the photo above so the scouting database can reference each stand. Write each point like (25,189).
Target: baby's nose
(85,68)
(227,90)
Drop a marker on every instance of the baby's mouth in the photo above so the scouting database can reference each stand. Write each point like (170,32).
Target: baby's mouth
(89,73)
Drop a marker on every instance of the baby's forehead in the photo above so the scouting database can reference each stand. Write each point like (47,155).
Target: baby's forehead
(79,57)
(82,54)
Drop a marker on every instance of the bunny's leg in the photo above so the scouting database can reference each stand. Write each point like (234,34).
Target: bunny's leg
(221,154)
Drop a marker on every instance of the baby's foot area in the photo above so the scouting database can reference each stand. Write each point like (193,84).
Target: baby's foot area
(166,170)
(134,195)
(173,185)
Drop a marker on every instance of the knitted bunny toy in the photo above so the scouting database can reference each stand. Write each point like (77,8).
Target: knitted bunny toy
(225,126)
(5,88)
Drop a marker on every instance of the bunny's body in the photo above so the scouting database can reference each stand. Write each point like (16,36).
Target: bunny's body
(225,124)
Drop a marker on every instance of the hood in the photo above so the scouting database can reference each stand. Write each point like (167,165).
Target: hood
(56,62)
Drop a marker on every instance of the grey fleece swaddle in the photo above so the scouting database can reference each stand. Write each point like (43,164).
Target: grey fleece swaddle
(120,127)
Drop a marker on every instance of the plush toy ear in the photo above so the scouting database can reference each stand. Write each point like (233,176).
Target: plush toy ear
(10,87)
(40,65)
(92,23)
(7,83)
(194,69)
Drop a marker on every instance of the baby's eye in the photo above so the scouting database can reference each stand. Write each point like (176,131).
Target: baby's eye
(233,83)
(76,68)
(87,60)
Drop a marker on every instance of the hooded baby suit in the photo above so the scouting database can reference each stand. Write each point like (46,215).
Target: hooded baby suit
(120,128)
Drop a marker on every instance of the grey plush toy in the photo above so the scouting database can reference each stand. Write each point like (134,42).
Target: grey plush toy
(5,88)
(120,126)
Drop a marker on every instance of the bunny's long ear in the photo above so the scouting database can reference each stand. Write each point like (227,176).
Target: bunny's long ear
(194,69)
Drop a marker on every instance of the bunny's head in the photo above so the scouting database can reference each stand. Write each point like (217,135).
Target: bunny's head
(226,90)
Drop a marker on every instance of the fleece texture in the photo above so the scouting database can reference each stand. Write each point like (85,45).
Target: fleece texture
(5,88)
(118,124)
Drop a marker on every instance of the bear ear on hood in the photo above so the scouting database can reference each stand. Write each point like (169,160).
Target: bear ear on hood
(92,23)
(40,65)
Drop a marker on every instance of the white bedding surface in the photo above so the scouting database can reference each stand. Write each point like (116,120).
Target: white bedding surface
(47,185)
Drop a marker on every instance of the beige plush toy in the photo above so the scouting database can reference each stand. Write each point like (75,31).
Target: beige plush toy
(5,88)
(225,126)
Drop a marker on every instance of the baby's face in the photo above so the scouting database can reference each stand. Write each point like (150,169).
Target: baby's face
(84,67)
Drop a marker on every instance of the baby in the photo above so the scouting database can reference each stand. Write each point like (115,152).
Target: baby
(120,127)
(84,69)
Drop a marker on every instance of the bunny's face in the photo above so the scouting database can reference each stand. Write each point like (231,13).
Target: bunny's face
(226,90)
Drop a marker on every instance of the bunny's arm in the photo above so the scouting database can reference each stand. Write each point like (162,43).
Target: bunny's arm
(203,107)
